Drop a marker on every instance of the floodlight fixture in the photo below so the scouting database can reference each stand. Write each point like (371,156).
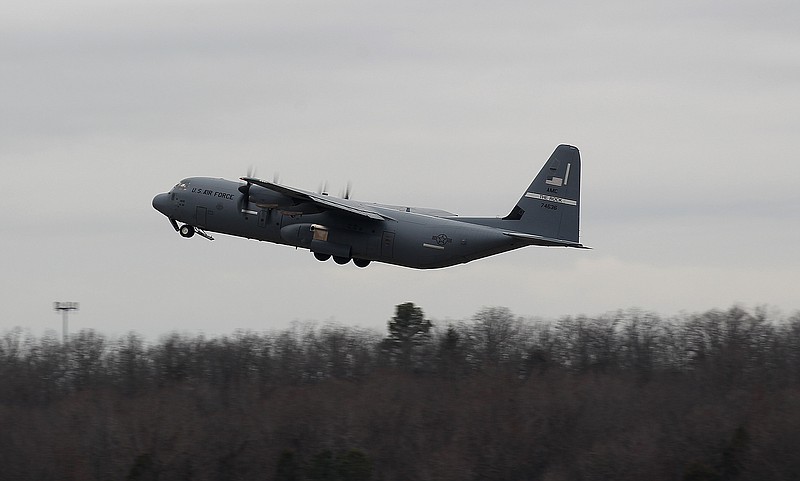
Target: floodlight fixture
(65,307)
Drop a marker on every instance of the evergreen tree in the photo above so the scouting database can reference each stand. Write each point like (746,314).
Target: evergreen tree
(408,330)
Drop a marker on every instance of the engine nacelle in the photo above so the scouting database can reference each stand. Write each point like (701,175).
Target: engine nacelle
(302,234)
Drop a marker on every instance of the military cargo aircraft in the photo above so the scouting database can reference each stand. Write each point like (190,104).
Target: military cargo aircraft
(547,215)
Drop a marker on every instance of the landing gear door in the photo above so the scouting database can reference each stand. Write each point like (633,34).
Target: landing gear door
(387,245)
(201,216)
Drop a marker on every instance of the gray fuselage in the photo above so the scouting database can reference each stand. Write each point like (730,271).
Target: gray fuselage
(546,214)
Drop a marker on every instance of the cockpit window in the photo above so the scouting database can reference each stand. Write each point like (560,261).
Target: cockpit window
(182,185)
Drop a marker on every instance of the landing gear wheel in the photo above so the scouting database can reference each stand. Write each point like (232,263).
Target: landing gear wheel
(361,262)
(187,230)
(322,257)
(341,260)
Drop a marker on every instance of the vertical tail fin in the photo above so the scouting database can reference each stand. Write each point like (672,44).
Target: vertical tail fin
(550,207)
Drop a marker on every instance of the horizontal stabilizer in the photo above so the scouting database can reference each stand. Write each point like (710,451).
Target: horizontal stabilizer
(544,241)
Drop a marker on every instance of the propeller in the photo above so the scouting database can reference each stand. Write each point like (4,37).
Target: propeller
(245,190)
(346,192)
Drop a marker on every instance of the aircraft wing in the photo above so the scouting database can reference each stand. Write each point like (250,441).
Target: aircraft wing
(544,241)
(342,205)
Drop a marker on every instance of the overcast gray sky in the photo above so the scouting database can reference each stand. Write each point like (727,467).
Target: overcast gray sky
(686,114)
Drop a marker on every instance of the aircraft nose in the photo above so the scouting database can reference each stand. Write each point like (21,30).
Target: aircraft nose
(162,204)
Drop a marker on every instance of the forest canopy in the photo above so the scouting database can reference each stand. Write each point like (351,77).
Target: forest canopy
(626,395)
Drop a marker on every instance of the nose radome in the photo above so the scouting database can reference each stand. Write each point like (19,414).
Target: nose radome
(161,203)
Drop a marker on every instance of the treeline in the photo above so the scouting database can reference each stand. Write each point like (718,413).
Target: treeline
(629,395)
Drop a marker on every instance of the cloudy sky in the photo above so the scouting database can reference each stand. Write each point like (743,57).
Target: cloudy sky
(686,114)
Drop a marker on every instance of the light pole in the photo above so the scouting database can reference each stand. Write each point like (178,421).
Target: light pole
(65,307)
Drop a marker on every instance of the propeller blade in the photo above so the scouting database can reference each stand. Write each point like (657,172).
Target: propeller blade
(346,192)
(245,190)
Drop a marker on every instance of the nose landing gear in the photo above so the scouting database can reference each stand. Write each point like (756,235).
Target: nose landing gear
(188,231)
